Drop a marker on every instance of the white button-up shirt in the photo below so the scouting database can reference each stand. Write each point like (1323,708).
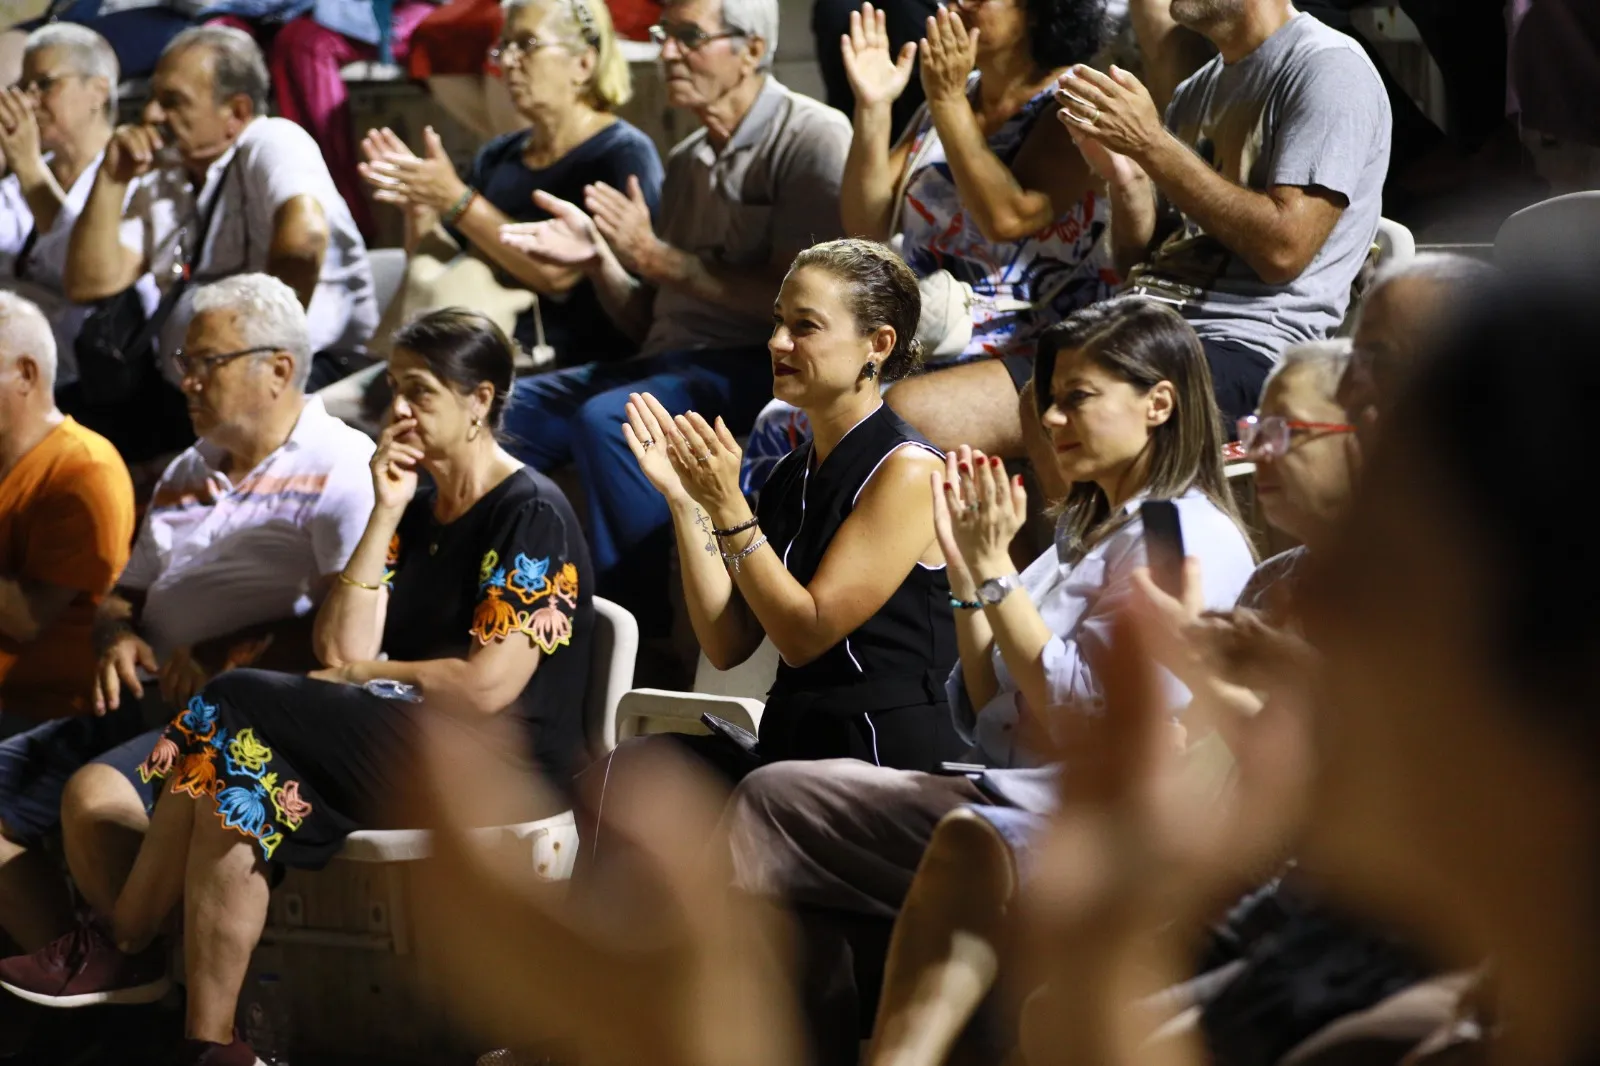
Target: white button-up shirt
(1079,602)
(276,161)
(37,275)
(215,556)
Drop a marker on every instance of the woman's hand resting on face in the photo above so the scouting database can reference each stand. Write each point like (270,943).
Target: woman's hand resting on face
(394,467)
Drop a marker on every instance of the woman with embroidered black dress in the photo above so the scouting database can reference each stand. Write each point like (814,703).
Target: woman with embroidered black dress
(475,583)
(840,568)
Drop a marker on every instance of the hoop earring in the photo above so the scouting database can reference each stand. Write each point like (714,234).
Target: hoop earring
(870,371)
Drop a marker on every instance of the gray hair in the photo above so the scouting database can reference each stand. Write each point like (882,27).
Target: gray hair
(24,330)
(755,18)
(267,313)
(1443,268)
(238,68)
(89,53)
(1325,360)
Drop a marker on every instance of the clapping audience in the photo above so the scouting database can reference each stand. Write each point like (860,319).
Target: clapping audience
(1089,809)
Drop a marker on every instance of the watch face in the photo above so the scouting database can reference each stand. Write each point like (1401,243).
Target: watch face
(996,588)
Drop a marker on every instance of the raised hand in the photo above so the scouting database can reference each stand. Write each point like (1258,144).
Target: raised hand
(949,53)
(398,176)
(946,500)
(1114,110)
(702,972)
(647,440)
(624,221)
(986,510)
(877,77)
(707,458)
(131,152)
(567,238)
(19,132)
(394,466)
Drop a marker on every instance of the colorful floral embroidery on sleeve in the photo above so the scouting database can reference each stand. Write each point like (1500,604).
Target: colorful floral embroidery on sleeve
(392,560)
(527,582)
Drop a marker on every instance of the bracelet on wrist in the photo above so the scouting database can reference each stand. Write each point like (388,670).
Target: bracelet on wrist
(346,579)
(454,212)
(735,530)
(965,605)
(738,557)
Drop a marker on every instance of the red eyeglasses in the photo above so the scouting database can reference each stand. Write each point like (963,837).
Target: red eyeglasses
(1269,437)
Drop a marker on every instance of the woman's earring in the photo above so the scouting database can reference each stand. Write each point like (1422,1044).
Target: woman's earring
(477,424)
(870,371)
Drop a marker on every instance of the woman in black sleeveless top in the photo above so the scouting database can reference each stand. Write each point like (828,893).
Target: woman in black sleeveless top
(840,568)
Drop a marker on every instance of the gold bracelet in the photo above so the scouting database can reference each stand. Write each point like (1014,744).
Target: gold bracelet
(353,583)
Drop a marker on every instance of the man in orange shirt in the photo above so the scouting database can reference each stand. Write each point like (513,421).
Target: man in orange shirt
(66,523)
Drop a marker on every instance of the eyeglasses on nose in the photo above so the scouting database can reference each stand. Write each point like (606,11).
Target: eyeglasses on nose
(1270,437)
(687,35)
(201,366)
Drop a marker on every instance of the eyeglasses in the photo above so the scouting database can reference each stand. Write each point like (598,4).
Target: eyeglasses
(687,36)
(42,86)
(510,52)
(201,366)
(1269,437)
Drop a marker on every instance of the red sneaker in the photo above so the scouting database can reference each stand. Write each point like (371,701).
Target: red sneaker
(205,1053)
(84,968)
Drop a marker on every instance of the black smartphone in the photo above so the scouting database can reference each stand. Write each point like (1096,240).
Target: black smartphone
(740,736)
(1163,544)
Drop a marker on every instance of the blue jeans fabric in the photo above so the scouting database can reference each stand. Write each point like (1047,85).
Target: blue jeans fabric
(576,416)
(35,766)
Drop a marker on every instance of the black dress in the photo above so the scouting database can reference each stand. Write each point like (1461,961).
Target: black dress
(298,764)
(879,694)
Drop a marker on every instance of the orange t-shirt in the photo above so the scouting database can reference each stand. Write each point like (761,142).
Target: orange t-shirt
(66,519)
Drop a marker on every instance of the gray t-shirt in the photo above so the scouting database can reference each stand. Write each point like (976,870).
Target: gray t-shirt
(772,192)
(1307,108)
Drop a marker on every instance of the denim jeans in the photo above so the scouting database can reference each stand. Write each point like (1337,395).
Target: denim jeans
(576,416)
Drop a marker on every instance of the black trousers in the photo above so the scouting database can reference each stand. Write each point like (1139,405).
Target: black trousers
(1237,374)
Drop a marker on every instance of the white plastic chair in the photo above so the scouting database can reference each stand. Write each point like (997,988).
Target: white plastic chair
(553,841)
(1396,244)
(1560,235)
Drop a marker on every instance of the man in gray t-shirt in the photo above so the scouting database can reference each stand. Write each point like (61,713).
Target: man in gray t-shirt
(1254,205)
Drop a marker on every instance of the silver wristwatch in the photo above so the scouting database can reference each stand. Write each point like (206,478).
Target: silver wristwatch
(996,589)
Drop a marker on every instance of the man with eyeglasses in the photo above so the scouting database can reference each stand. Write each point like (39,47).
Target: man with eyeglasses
(241,540)
(742,196)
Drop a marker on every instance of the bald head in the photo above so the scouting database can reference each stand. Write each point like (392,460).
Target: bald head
(1400,319)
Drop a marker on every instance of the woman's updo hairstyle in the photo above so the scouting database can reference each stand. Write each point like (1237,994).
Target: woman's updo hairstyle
(883,292)
(463,349)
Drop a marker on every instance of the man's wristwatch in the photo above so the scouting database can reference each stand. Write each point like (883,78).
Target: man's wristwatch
(996,589)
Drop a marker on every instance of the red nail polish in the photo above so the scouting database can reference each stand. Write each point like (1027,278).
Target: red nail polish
(965,469)
(994,461)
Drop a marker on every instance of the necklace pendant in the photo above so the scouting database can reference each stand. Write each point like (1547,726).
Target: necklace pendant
(433,549)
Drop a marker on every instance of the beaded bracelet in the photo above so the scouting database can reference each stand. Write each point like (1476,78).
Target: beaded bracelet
(736,529)
(453,214)
(965,605)
(734,559)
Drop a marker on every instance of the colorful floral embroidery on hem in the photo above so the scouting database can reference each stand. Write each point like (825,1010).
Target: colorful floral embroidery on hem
(528,581)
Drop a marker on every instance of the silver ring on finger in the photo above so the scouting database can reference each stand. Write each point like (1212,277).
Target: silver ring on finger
(1094,115)
(702,458)
(647,443)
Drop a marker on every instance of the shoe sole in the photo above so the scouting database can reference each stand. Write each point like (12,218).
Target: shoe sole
(125,997)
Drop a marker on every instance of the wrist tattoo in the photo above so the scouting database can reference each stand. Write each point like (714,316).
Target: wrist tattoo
(706,527)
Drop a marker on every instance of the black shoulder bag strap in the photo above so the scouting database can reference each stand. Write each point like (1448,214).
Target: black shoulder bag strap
(146,337)
(19,265)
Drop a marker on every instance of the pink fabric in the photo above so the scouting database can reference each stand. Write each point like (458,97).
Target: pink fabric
(305,59)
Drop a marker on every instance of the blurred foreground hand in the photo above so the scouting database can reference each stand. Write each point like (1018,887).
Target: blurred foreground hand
(700,980)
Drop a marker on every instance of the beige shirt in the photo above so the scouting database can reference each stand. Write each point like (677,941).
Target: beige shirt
(771,193)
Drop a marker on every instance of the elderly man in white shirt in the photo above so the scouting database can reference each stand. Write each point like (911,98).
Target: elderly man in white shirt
(204,135)
(54,126)
(243,537)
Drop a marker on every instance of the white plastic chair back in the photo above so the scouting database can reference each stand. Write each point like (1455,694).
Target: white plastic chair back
(1560,235)
(749,680)
(616,649)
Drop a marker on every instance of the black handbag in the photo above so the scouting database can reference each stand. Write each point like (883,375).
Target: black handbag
(117,346)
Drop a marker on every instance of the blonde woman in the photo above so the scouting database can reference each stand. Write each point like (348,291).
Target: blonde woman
(567,77)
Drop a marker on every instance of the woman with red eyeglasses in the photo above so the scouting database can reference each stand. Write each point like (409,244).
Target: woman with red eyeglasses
(1298,440)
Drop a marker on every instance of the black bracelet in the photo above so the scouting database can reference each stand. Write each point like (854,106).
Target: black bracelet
(965,605)
(736,529)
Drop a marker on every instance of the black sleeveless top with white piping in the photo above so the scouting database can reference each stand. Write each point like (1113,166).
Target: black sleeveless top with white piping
(901,656)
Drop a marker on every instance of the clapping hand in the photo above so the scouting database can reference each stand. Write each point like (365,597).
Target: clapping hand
(399,176)
(1113,112)
(646,436)
(623,219)
(706,457)
(977,512)
(949,53)
(567,238)
(877,78)
(702,977)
